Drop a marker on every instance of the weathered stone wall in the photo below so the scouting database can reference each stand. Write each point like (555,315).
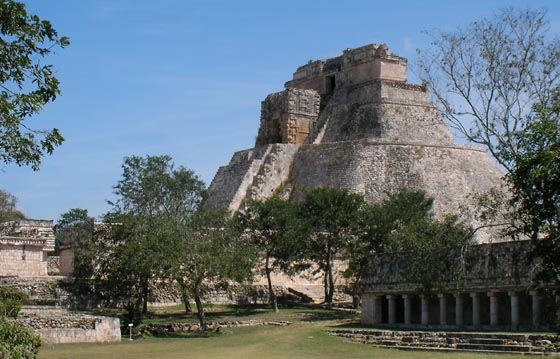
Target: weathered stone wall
(375,134)
(251,174)
(53,265)
(47,290)
(24,245)
(66,262)
(22,260)
(450,174)
(485,267)
(354,66)
(288,117)
(56,326)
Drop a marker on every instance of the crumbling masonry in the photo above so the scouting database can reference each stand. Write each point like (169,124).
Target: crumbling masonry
(354,122)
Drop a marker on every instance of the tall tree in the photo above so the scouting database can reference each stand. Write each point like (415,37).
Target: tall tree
(332,214)
(26,84)
(405,222)
(74,225)
(535,182)
(8,210)
(134,249)
(486,78)
(376,222)
(208,254)
(278,233)
(16,341)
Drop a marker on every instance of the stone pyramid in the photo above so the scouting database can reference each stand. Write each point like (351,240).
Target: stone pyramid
(354,122)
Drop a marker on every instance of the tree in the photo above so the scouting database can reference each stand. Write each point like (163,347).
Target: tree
(131,255)
(16,341)
(72,226)
(133,250)
(535,183)
(278,233)
(8,211)
(376,222)
(26,84)
(332,214)
(434,248)
(404,222)
(209,253)
(486,78)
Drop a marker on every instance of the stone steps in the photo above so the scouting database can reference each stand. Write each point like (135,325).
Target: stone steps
(447,350)
(510,343)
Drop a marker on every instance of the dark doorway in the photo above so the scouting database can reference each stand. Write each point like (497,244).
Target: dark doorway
(330,84)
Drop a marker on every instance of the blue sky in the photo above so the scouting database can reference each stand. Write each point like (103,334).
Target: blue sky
(186,78)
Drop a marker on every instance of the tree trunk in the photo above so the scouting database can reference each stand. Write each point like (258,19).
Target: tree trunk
(330,295)
(200,313)
(355,294)
(185,298)
(329,282)
(138,305)
(199,308)
(145,296)
(271,295)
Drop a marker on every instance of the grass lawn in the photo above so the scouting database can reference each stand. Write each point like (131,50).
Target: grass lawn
(305,338)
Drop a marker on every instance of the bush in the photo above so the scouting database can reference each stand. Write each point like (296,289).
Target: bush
(11,300)
(17,342)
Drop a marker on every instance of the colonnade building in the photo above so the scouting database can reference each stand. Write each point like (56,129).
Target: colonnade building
(494,289)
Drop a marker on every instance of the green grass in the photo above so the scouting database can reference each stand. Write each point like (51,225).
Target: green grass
(305,338)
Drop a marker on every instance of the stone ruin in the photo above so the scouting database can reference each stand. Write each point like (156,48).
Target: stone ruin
(354,122)
(24,246)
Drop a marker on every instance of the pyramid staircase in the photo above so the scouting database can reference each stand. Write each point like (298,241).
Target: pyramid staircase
(490,343)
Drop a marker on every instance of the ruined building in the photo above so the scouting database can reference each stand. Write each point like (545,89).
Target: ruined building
(24,246)
(354,122)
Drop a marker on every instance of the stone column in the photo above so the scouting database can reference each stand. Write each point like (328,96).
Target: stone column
(425,310)
(475,309)
(458,310)
(407,309)
(442,309)
(392,309)
(514,304)
(493,308)
(536,304)
(367,309)
(377,310)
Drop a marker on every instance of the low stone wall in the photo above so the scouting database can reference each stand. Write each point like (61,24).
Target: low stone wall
(40,290)
(56,326)
(53,265)
(166,329)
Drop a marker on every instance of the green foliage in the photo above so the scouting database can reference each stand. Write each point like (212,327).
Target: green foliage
(26,84)
(404,222)
(135,247)
(331,214)
(535,182)
(11,300)
(17,342)
(208,254)
(72,226)
(8,211)
(378,221)
(278,232)
(152,185)
(435,251)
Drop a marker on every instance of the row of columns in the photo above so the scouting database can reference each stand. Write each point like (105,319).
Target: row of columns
(475,298)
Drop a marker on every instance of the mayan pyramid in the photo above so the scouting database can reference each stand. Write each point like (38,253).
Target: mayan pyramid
(354,122)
